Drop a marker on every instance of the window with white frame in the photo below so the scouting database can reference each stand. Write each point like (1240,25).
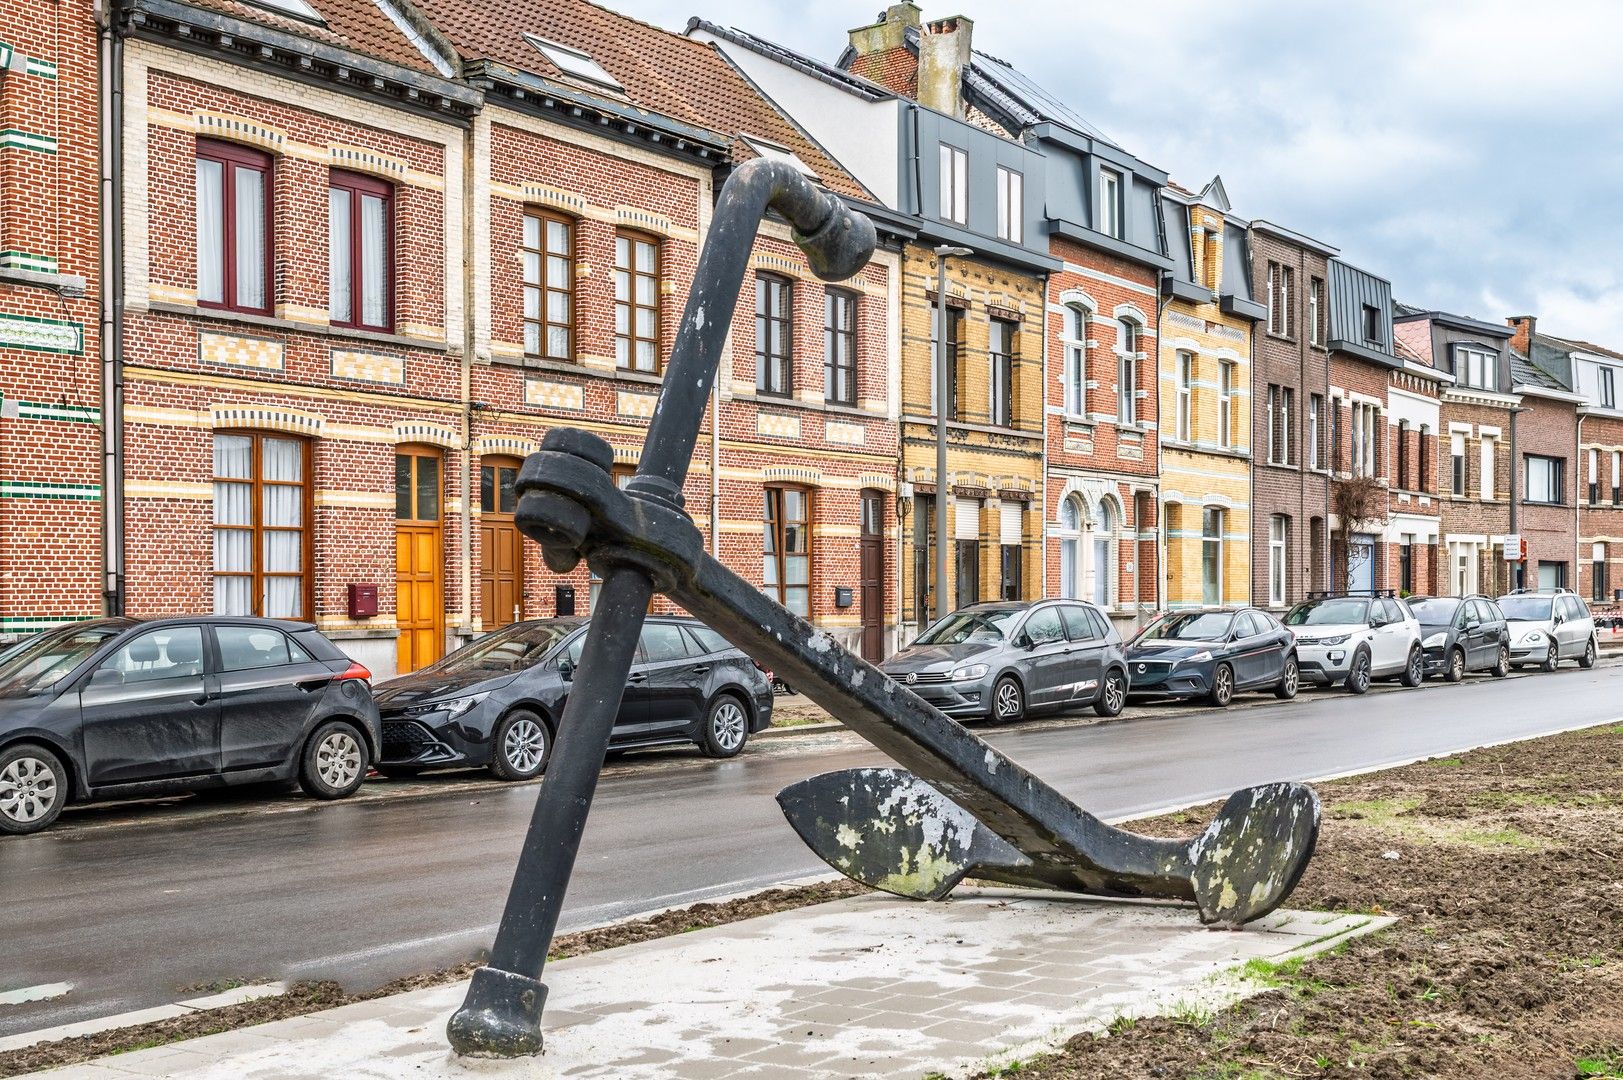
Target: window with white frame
(1599,583)
(1490,448)
(1011,205)
(954,184)
(1075,374)
(1366,421)
(1278,529)
(1070,547)
(1126,372)
(1271,414)
(1315,311)
(1617,477)
(1287,409)
(1315,409)
(1606,386)
(1281,300)
(1211,556)
(1186,395)
(1109,215)
(1594,476)
(1225,404)
(1456,451)
(1544,480)
(1104,556)
(1475,367)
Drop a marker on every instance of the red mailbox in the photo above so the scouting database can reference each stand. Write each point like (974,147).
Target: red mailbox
(363,601)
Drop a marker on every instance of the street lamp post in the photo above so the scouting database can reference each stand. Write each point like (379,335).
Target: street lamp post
(943,372)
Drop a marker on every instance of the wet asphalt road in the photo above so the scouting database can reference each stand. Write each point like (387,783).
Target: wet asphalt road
(135,914)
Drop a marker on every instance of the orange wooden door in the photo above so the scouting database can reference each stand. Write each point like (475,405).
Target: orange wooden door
(501,551)
(419,560)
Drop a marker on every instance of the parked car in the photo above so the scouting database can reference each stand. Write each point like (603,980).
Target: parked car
(1549,627)
(1460,634)
(496,702)
(1005,659)
(1351,639)
(112,708)
(1214,655)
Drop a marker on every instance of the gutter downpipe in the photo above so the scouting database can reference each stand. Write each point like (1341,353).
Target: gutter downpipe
(469,339)
(110,121)
(1516,568)
(1160,440)
(1578,491)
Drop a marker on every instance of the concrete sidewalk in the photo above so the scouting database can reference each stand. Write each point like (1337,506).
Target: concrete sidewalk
(867,987)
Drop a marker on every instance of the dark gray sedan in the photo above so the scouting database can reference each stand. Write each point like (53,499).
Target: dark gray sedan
(498,701)
(1002,660)
(1462,633)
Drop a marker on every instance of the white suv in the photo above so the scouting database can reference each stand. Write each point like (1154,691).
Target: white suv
(1353,639)
(1549,627)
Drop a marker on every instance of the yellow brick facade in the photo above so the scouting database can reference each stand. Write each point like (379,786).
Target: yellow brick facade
(995,470)
(1205,461)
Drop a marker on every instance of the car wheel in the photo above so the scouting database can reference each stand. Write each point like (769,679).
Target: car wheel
(1008,701)
(726,727)
(1290,680)
(1358,676)
(1456,665)
(334,762)
(520,746)
(1222,691)
(1112,695)
(1587,661)
(33,789)
(1552,659)
(1414,672)
(1501,666)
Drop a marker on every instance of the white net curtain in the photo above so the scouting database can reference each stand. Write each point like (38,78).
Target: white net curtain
(259,489)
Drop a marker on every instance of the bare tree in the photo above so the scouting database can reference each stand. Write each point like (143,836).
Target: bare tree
(1359,502)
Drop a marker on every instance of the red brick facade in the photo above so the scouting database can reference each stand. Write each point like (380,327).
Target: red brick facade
(1547,431)
(50,294)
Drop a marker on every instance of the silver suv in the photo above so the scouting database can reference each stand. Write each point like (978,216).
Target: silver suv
(1001,660)
(1351,640)
(1549,627)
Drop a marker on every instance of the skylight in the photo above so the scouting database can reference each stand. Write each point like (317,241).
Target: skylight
(572,62)
(297,8)
(774,152)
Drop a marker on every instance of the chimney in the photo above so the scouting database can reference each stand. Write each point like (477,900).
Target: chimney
(944,46)
(882,53)
(1522,340)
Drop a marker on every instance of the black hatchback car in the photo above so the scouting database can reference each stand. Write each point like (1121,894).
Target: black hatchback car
(497,702)
(1213,655)
(113,708)
(1462,633)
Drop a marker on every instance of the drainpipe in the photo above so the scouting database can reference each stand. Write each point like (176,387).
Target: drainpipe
(1160,441)
(111,143)
(1577,498)
(469,338)
(1515,569)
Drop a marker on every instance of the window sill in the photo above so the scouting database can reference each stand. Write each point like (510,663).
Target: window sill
(960,425)
(1286,465)
(564,367)
(773,402)
(1288,339)
(271,322)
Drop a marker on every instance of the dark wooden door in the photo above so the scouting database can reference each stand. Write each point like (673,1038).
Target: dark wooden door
(872,577)
(501,549)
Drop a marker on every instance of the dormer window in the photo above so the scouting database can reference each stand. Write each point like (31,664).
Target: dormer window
(954,193)
(296,8)
(1109,214)
(1372,325)
(1474,367)
(573,63)
(777,152)
(1606,386)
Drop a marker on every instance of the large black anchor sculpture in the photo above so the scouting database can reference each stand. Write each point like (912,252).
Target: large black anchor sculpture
(955,807)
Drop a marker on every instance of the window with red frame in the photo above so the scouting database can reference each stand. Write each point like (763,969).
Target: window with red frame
(360,252)
(233,227)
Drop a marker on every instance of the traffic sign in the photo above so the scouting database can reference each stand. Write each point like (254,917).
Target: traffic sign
(1515,548)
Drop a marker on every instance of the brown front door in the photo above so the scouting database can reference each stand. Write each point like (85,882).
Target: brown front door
(501,553)
(419,559)
(872,576)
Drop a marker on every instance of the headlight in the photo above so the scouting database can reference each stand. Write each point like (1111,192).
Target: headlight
(454,707)
(968,671)
(1533,637)
(1340,639)
(1197,658)
(1435,641)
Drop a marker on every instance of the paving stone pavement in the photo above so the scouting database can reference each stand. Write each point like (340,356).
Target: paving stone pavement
(871,986)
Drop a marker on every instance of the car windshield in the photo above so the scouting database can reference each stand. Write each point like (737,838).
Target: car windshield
(1191,626)
(42,662)
(1435,610)
(967,626)
(511,648)
(1525,608)
(1338,612)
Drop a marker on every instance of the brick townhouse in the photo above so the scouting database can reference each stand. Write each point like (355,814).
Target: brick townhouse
(1384,422)
(1471,470)
(1545,511)
(598,236)
(913,133)
(51,482)
(320,396)
(1290,378)
(1205,335)
(1594,374)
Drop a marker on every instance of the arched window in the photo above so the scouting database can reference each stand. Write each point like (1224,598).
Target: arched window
(1104,556)
(1070,548)
(1076,361)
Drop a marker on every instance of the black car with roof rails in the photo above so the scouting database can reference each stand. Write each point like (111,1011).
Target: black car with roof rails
(1460,634)
(1213,655)
(497,701)
(115,708)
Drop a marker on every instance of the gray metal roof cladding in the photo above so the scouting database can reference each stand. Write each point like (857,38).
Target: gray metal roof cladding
(1039,103)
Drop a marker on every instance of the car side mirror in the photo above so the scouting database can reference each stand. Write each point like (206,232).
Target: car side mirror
(104,677)
(566,669)
(1024,641)
(1558,619)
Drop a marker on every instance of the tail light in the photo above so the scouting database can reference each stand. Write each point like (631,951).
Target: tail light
(354,671)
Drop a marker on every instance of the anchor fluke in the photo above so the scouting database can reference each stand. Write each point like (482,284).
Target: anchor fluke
(1253,853)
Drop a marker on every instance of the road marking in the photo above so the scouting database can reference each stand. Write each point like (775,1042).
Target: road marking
(42,992)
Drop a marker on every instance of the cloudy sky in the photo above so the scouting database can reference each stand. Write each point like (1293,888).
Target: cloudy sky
(1469,151)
